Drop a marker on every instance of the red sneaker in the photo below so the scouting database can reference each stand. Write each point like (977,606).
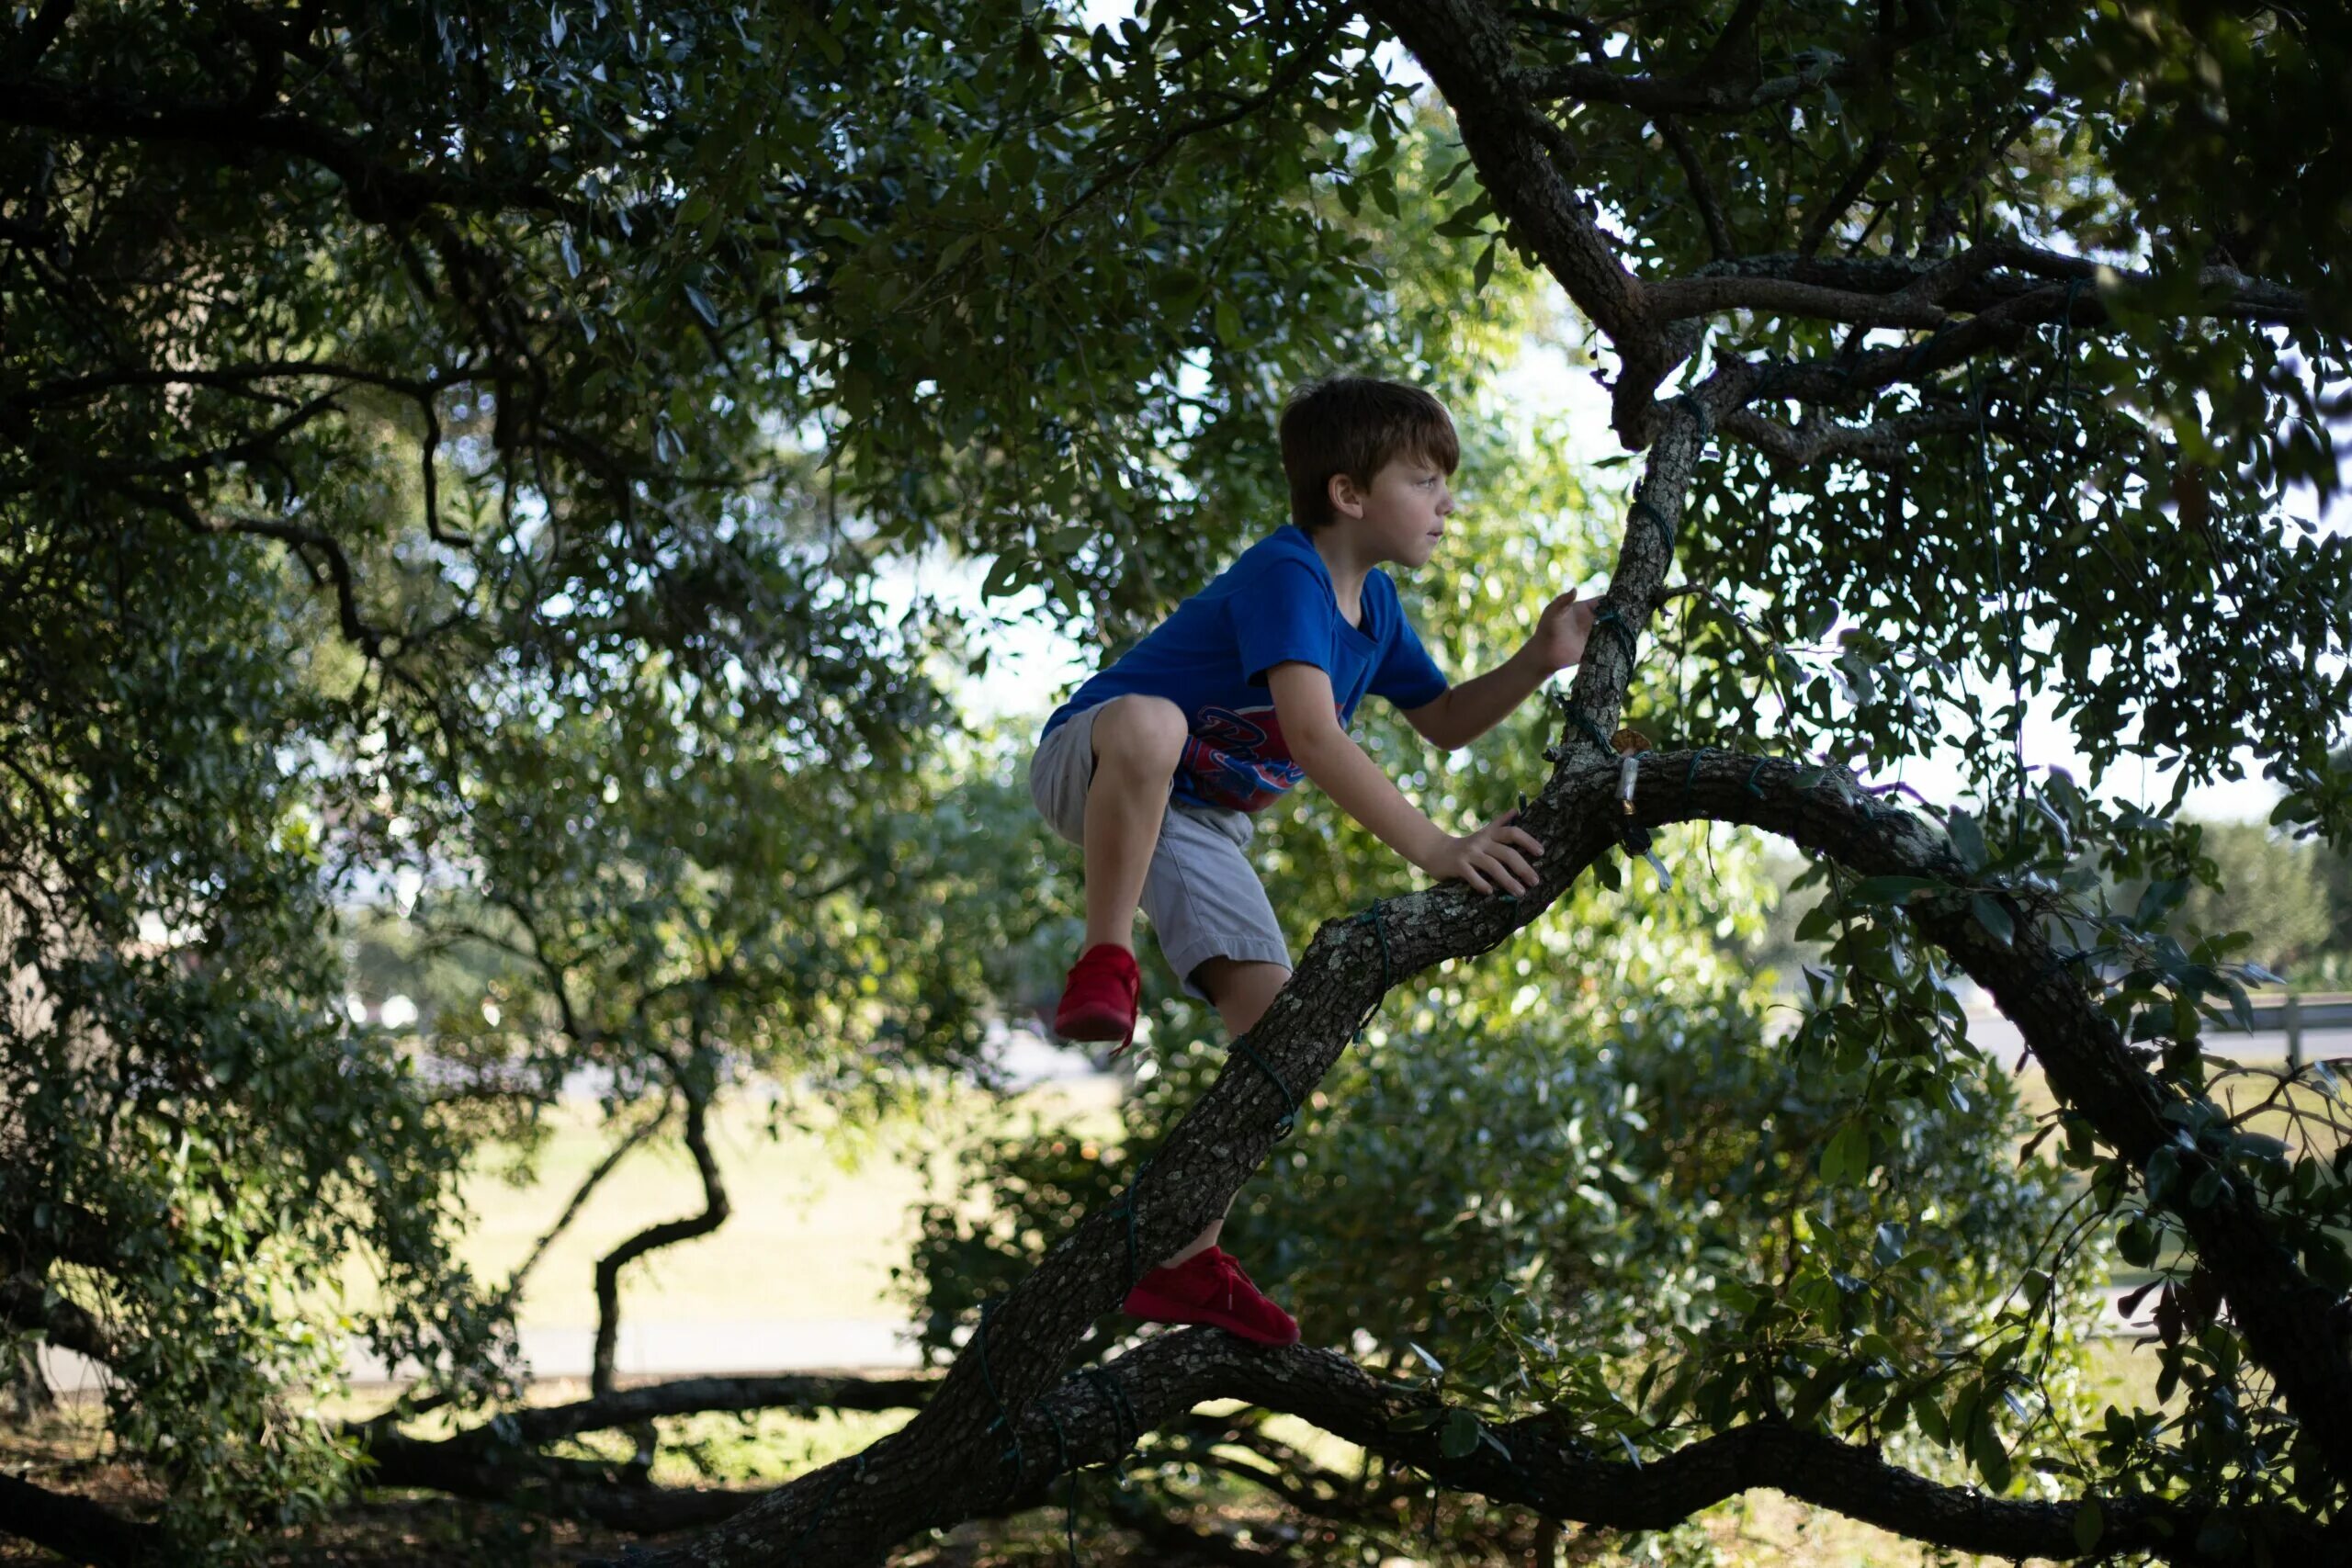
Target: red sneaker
(1210,1287)
(1099,999)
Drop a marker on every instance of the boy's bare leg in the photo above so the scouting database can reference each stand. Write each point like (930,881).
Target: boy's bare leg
(1242,991)
(1138,740)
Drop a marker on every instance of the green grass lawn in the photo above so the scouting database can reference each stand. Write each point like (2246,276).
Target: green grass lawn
(814,1232)
(816,1224)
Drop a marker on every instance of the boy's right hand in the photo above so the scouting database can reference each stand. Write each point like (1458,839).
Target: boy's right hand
(1489,856)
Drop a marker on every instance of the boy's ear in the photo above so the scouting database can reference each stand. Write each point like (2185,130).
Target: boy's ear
(1346,499)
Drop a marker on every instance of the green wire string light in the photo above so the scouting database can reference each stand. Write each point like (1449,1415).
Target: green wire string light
(1692,777)
(1609,620)
(1645,512)
(1061,1461)
(855,1471)
(1126,1205)
(1599,736)
(1124,1419)
(1003,1417)
(1289,1118)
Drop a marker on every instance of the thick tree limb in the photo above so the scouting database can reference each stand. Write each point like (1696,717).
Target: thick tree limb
(681,1396)
(1920,301)
(1701,93)
(1081,1423)
(76,1529)
(1520,155)
(498,1460)
(68,1327)
(1889,444)
(614,1495)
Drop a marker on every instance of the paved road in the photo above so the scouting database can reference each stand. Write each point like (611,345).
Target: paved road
(1998,1036)
(650,1349)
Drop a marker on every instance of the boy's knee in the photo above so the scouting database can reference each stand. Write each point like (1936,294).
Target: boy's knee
(1140,728)
(1241,990)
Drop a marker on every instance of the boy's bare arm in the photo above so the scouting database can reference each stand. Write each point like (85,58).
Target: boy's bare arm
(1489,859)
(1469,710)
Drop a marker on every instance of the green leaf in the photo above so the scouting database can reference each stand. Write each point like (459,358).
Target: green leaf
(2159,898)
(702,304)
(1847,1161)
(1992,1458)
(1459,1438)
(1003,578)
(1890,889)
(2089,1524)
(1967,840)
(1994,919)
(957,249)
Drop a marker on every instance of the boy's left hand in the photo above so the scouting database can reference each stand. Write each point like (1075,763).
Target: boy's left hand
(1561,632)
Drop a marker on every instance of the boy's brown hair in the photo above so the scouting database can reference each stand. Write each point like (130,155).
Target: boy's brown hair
(1354,425)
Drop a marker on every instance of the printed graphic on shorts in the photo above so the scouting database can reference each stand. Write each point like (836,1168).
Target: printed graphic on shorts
(1238,760)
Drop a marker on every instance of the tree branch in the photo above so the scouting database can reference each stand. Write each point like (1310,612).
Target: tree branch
(357,630)
(1889,443)
(531,1429)
(1519,154)
(378,191)
(1079,1423)
(76,1529)
(1703,189)
(1701,93)
(654,1237)
(498,1460)
(68,1327)
(579,1197)
(1848,191)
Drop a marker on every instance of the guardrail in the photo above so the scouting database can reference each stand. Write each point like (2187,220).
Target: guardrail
(2293,1013)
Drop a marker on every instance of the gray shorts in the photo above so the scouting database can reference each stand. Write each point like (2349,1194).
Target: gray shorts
(1201,892)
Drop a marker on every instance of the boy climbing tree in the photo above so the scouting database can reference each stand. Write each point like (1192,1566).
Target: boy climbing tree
(1155,765)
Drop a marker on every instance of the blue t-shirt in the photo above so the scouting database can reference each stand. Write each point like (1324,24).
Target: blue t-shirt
(1211,655)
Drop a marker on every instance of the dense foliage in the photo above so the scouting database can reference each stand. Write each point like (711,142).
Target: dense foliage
(450,449)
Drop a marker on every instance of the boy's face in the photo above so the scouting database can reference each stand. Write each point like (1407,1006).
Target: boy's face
(1402,516)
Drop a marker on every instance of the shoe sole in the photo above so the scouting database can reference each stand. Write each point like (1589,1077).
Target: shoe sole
(1170,1311)
(1094,1025)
